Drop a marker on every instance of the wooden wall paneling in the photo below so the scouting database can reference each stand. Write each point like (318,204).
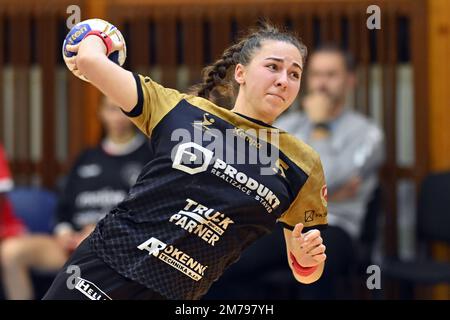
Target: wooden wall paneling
(75,114)
(335,24)
(245,18)
(353,47)
(363,42)
(46,57)
(139,48)
(219,22)
(418,37)
(439,70)
(387,53)
(303,25)
(436,116)
(275,13)
(20,58)
(192,24)
(165,24)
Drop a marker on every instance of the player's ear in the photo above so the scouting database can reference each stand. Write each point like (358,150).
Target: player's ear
(239,74)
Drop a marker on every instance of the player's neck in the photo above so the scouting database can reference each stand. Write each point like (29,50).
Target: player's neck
(243,107)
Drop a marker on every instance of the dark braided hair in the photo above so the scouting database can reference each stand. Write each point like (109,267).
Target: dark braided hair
(218,78)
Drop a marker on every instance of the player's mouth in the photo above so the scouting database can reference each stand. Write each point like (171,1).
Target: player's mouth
(276,95)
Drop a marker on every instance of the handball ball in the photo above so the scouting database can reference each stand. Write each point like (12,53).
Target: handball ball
(79,31)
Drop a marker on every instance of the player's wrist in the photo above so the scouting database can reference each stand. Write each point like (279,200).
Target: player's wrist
(299,269)
(107,41)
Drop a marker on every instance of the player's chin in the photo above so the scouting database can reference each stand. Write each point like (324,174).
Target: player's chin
(274,110)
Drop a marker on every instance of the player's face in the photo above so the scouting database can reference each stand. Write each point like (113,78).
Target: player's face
(327,74)
(115,122)
(271,81)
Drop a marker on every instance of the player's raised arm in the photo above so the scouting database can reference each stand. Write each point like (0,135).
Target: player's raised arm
(114,81)
(91,63)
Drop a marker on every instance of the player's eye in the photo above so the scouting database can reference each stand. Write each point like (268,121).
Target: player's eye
(295,75)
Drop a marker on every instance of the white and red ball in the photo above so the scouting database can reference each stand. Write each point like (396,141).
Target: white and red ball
(79,31)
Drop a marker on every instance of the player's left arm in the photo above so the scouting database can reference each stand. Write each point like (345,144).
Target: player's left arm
(305,253)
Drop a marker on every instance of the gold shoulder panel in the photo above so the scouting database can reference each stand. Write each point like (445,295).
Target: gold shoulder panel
(310,205)
(157,102)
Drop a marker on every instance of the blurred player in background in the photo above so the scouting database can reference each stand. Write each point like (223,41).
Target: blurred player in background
(99,179)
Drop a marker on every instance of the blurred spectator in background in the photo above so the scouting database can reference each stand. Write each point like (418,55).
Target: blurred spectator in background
(99,179)
(351,148)
(10,225)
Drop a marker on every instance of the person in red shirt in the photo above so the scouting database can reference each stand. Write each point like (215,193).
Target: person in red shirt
(10,225)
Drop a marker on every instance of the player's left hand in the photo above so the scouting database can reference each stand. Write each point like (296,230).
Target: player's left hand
(308,248)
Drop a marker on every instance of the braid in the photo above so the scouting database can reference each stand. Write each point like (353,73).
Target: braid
(215,76)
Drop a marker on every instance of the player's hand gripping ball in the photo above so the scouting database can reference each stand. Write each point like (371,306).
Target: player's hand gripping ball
(79,32)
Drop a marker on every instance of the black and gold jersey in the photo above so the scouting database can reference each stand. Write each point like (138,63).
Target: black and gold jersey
(217,182)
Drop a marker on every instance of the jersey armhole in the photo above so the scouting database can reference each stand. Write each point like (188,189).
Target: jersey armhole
(137,110)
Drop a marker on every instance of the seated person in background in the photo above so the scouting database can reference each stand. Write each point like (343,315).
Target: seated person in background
(351,148)
(100,178)
(10,225)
